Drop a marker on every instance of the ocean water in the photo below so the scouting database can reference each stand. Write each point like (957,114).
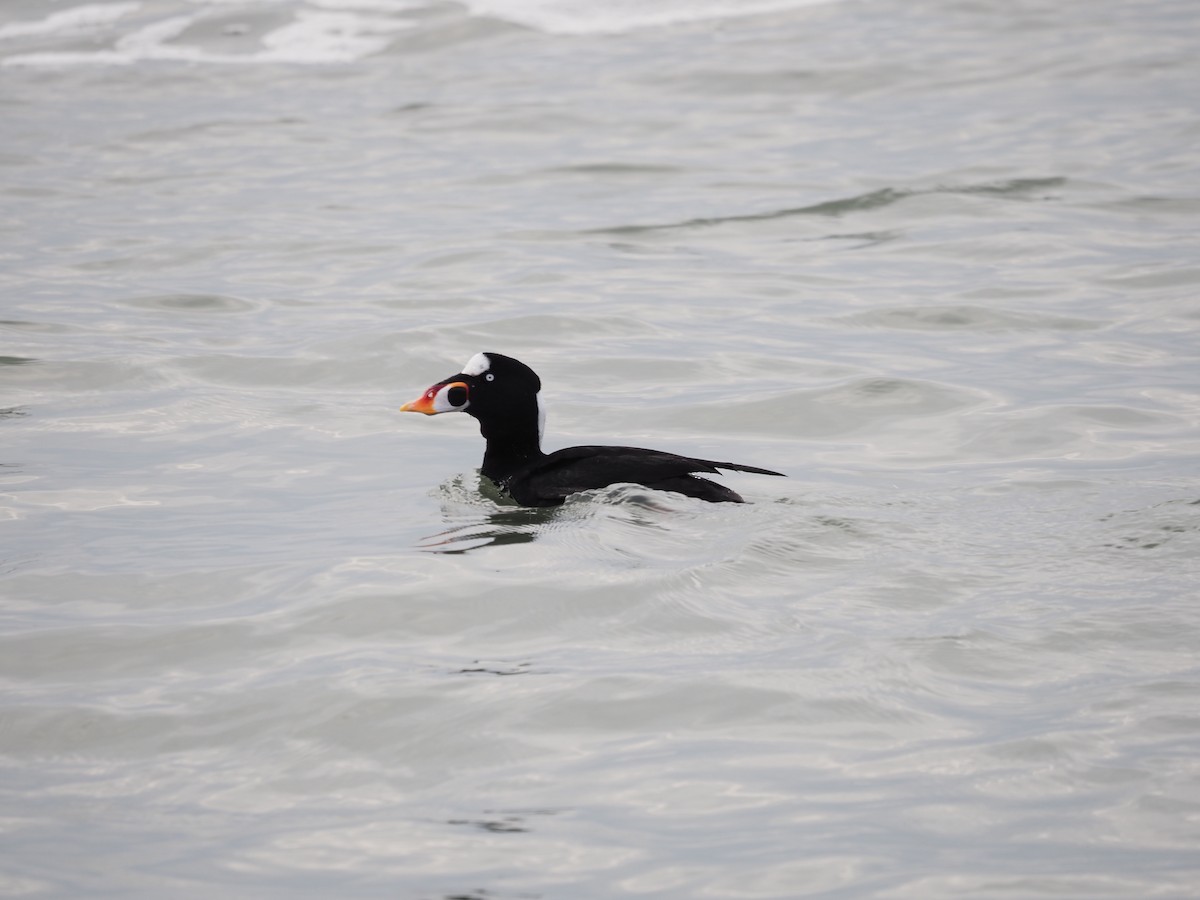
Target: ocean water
(263,636)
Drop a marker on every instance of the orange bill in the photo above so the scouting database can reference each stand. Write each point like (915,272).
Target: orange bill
(427,402)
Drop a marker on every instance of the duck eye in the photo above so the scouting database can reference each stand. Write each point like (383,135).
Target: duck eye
(490,377)
(456,396)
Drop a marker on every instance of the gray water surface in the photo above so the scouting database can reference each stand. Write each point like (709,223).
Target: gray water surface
(263,636)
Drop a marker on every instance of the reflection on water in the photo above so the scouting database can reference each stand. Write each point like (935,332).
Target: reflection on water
(480,515)
(483,516)
(516,526)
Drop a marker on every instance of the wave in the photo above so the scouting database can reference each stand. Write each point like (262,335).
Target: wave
(1018,188)
(315,31)
(582,17)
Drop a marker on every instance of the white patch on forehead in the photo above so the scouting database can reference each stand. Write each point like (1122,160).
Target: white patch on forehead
(477,364)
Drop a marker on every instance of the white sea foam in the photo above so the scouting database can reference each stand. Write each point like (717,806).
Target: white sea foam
(320,31)
(383,6)
(616,16)
(330,37)
(324,31)
(87,18)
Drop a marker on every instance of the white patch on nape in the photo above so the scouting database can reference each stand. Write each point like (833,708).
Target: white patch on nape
(477,364)
(541,417)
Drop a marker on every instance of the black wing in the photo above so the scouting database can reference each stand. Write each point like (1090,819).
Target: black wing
(553,478)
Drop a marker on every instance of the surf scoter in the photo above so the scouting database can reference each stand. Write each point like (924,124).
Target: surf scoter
(503,394)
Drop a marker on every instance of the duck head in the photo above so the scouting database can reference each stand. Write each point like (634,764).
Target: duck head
(503,393)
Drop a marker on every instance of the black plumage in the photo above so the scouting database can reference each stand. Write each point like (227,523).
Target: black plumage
(503,395)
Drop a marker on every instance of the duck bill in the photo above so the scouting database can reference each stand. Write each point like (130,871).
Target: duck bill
(436,400)
(423,404)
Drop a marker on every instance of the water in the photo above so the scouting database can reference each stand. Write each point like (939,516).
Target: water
(265,636)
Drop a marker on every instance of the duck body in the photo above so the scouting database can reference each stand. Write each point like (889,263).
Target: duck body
(550,479)
(503,394)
